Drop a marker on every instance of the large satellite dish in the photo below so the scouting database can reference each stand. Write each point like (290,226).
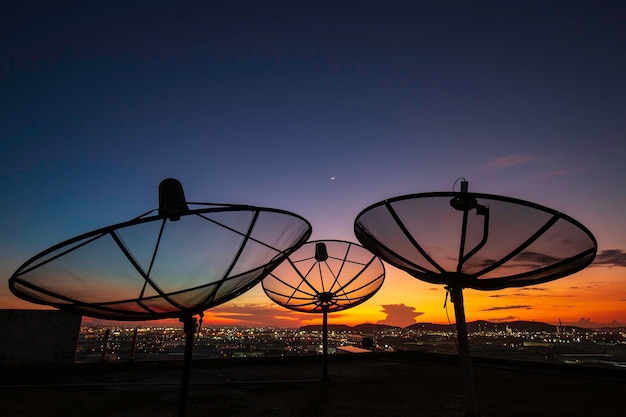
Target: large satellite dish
(470,240)
(172,262)
(325,276)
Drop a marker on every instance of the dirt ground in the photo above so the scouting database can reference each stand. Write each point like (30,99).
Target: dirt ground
(372,385)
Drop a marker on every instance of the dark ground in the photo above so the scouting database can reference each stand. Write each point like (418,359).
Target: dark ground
(362,385)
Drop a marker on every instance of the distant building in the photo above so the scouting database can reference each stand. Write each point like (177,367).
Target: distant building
(38,337)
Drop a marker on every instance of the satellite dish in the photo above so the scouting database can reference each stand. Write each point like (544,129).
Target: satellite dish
(171,262)
(470,240)
(325,276)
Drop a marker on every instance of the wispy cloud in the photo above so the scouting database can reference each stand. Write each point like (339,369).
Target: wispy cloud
(522,292)
(610,257)
(502,319)
(508,161)
(515,307)
(536,258)
(285,318)
(567,172)
(258,314)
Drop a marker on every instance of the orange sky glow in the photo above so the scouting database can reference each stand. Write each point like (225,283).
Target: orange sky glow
(593,297)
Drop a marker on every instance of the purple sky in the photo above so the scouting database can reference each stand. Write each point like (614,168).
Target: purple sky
(263,102)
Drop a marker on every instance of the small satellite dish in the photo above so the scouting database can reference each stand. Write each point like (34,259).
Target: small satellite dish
(325,276)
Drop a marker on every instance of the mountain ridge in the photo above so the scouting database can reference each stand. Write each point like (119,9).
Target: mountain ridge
(474,326)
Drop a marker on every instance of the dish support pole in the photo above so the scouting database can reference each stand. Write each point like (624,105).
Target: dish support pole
(471,404)
(190,325)
(325,345)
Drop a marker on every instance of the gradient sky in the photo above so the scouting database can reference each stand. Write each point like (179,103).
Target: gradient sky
(263,102)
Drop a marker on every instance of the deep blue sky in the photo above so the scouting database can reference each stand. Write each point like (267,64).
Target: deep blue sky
(263,102)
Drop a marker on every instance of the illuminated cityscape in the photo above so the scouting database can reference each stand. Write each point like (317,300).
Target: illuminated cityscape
(525,341)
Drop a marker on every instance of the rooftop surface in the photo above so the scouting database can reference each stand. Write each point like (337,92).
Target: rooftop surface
(373,385)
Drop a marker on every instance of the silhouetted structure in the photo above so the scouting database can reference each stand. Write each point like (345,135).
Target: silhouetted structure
(172,262)
(505,243)
(325,276)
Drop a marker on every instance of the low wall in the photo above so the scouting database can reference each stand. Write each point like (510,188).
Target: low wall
(38,337)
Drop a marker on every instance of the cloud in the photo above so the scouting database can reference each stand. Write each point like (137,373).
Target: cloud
(286,318)
(519,292)
(264,315)
(508,161)
(399,315)
(610,257)
(587,322)
(564,172)
(514,307)
(523,292)
(536,258)
(528,258)
(258,315)
(502,319)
